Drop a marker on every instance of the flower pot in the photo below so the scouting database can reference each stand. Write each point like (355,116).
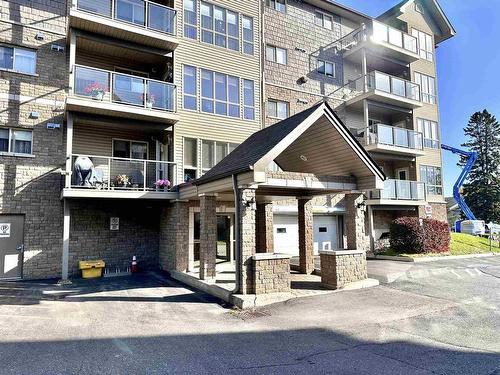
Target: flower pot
(98,96)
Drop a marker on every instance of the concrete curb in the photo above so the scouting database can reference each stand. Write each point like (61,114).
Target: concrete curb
(430,259)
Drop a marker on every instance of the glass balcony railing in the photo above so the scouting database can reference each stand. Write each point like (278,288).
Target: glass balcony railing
(400,190)
(393,136)
(121,88)
(141,13)
(393,85)
(398,38)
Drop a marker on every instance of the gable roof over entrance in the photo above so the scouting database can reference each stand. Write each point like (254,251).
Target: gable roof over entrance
(313,141)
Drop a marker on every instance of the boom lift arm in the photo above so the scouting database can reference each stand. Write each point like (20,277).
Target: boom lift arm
(471,160)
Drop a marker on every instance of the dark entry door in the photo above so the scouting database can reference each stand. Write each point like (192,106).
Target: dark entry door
(223,237)
(11,246)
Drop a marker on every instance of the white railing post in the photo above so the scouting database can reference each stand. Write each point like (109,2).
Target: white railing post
(109,173)
(144,175)
(113,6)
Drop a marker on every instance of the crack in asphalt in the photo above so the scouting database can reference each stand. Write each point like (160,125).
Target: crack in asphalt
(488,274)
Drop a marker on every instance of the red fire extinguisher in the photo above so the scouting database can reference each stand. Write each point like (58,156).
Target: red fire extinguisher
(133,267)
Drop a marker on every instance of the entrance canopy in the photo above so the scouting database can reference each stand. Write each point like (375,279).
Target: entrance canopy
(314,150)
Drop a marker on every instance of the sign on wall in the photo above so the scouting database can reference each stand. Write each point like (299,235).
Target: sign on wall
(4,230)
(114,223)
(428,210)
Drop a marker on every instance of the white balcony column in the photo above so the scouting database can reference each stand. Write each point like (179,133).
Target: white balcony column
(371,228)
(72,59)
(69,150)
(364,68)
(65,249)
(366,119)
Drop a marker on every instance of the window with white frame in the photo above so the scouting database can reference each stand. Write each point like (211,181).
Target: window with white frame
(276,54)
(279,5)
(127,149)
(190,28)
(190,158)
(189,87)
(326,68)
(248,100)
(425,44)
(17,59)
(324,20)
(220,26)
(16,141)
(220,93)
(430,131)
(213,152)
(278,109)
(419,8)
(248,38)
(433,180)
(427,87)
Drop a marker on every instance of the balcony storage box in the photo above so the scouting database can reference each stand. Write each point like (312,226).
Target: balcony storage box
(91,268)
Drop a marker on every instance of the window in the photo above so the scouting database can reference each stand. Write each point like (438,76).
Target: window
(279,5)
(16,141)
(207,23)
(323,230)
(248,100)
(281,230)
(190,29)
(432,178)
(427,87)
(220,94)
(18,59)
(277,109)
(430,131)
(425,44)
(190,158)
(130,149)
(324,20)
(233,31)
(207,91)
(220,26)
(189,87)
(247,35)
(213,152)
(276,54)
(419,8)
(326,68)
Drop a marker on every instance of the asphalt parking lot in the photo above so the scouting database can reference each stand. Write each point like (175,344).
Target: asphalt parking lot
(439,318)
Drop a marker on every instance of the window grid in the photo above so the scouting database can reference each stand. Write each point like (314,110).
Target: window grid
(326,68)
(190,79)
(276,54)
(20,60)
(432,178)
(425,44)
(278,109)
(324,20)
(131,151)
(430,131)
(248,39)
(279,5)
(190,16)
(427,87)
(248,100)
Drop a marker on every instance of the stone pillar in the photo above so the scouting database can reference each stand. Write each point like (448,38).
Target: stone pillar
(355,222)
(174,237)
(339,268)
(208,236)
(306,240)
(246,239)
(265,229)
(271,273)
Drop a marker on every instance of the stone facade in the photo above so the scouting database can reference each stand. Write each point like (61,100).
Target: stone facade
(306,234)
(174,237)
(271,274)
(439,212)
(247,239)
(264,228)
(208,236)
(355,225)
(339,268)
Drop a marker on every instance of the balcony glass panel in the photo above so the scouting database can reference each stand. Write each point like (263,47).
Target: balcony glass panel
(382,82)
(398,87)
(389,191)
(91,82)
(401,137)
(161,95)
(395,37)
(403,189)
(400,190)
(132,11)
(129,90)
(380,32)
(161,18)
(398,38)
(410,43)
(101,7)
(385,135)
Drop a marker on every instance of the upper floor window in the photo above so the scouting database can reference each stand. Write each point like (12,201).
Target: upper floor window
(430,131)
(276,54)
(130,149)
(248,100)
(190,30)
(324,20)
(427,87)
(189,87)
(16,141)
(220,94)
(190,158)
(17,59)
(432,178)
(425,44)
(419,8)
(278,109)
(279,5)
(247,35)
(326,68)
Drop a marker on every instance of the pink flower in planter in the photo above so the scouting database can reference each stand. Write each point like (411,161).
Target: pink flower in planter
(95,88)
(162,183)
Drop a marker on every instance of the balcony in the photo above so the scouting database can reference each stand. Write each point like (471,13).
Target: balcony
(139,21)
(103,92)
(399,192)
(382,88)
(108,177)
(381,38)
(394,140)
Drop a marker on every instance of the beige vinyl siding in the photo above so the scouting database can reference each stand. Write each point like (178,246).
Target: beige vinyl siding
(194,124)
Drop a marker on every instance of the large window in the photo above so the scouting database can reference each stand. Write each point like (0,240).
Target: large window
(16,141)
(326,68)
(20,60)
(278,109)
(279,5)
(190,158)
(189,87)
(425,45)
(249,100)
(220,93)
(247,35)
(430,131)
(276,54)
(190,29)
(212,152)
(432,178)
(427,87)
(130,149)
(324,20)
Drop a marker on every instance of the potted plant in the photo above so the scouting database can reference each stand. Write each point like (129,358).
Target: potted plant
(162,184)
(150,100)
(96,90)
(121,180)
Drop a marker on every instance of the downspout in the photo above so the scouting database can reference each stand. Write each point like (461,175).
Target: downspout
(237,236)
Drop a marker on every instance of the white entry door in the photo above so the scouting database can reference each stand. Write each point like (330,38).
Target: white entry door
(286,234)
(325,233)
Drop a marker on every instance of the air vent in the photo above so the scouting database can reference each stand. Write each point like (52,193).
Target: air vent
(57,48)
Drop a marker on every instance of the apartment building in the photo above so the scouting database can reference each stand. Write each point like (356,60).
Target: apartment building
(108,106)
(379,74)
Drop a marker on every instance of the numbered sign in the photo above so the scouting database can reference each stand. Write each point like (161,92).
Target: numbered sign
(4,230)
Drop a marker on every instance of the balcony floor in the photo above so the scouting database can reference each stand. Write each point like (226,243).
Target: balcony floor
(383,97)
(381,48)
(75,193)
(381,149)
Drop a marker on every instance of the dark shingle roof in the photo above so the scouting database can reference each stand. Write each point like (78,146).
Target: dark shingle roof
(254,148)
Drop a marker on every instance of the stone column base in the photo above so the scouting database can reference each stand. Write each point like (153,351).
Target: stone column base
(271,273)
(339,268)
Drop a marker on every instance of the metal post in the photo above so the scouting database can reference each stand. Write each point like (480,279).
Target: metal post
(109,173)
(65,250)
(144,176)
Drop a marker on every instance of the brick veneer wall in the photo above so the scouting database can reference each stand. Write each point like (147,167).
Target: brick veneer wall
(247,238)
(271,274)
(174,237)
(208,236)
(339,268)
(439,212)
(264,228)
(355,223)
(306,236)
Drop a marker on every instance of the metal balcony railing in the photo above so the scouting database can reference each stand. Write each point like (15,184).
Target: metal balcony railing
(121,88)
(393,85)
(108,173)
(394,136)
(141,13)
(400,190)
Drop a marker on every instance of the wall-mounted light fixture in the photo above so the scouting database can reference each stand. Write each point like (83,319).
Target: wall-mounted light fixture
(34,115)
(39,36)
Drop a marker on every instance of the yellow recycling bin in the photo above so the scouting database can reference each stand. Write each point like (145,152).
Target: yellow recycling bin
(91,268)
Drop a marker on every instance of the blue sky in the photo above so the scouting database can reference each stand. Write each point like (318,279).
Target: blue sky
(468,67)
